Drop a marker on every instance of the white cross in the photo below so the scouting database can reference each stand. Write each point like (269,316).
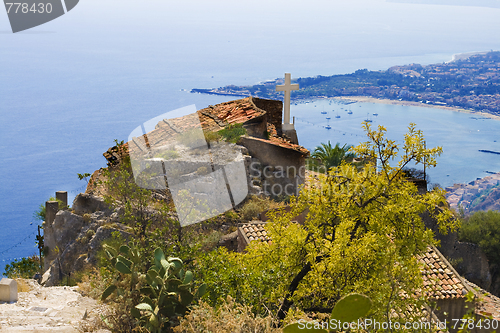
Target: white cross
(287,88)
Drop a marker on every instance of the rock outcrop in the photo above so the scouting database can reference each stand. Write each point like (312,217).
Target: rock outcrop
(74,238)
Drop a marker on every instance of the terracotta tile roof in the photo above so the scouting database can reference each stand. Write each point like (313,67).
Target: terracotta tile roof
(212,118)
(440,278)
(255,231)
(218,116)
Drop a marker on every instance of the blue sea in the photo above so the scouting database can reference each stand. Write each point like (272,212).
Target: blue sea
(72,86)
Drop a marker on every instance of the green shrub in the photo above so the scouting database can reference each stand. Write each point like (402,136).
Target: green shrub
(90,233)
(233,132)
(249,280)
(24,268)
(40,213)
(483,228)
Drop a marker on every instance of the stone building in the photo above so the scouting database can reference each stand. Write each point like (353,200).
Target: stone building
(274,164)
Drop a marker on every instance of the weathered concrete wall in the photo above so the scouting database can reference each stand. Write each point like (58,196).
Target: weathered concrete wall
(283,169)
(472,264)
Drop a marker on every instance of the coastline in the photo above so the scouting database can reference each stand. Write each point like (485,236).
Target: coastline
(366,99)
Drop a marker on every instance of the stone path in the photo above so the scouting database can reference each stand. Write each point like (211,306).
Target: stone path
(52,309)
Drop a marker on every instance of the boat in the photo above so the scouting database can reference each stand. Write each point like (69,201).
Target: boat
(337,116)
(328,127)
(323,112)
(350,112)
(368,120)
(375,114)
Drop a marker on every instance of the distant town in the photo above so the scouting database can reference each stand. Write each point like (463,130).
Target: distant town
(469,82)
(480,194)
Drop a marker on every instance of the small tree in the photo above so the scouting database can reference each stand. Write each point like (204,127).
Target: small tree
(362,234)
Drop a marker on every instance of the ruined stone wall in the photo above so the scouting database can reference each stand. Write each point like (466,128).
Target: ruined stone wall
(467,258)
(472,263)
(274,110)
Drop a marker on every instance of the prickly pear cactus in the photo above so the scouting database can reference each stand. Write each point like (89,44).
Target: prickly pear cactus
(166,292)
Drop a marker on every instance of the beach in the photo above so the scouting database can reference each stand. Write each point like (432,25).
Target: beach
(367,99)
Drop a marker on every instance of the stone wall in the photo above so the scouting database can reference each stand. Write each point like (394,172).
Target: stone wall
(471,262)
(274,111)
(283,169)
(468,259)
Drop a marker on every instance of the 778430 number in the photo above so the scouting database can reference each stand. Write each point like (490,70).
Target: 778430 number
(25,8)
(471,324)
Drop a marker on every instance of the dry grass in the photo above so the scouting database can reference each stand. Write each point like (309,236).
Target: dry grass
(229,318)
(23,286)
(255,205)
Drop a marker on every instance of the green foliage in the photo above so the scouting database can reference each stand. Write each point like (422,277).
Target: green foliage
(232,132)
(247,280)
(168,154)
(332,156)
(166,290)
(83,176)
(361,235)
(212,136)
(25,268)
(40,213)
(121,190)
(483,228)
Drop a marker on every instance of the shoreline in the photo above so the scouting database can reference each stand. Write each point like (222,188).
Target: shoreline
(366,99)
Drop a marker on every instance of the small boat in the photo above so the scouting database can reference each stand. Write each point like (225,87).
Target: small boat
(350,112)
(328,127)
(323,112)
(337,116)
(328,118)
(375,114)
(368,120)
